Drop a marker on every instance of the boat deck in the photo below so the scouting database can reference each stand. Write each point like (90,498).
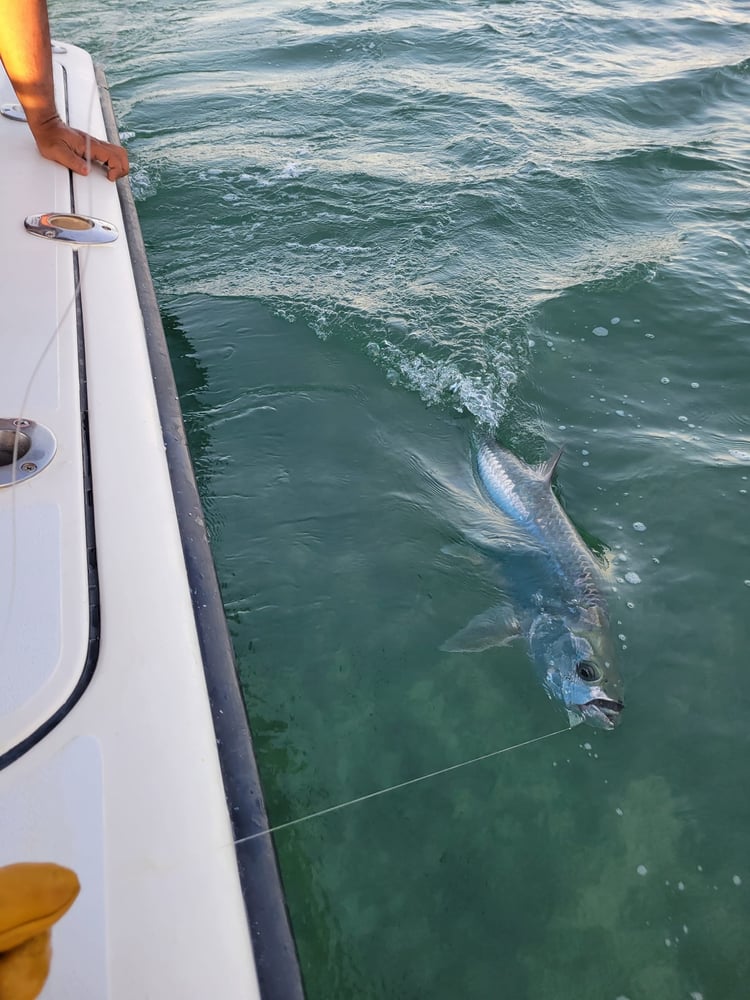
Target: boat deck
(108,752)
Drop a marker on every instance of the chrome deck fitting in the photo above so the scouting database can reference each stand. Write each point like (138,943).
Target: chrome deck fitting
(68,227)
(26,448)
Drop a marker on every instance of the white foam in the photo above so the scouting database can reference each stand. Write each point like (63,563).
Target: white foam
(143,184)
(639,526)
(737,880)
(642,870)
(441,381)
(600,331)
(632,577)
(291,170)
(615,320)
(664,380)
(681,886)
(695,385)
(619,811)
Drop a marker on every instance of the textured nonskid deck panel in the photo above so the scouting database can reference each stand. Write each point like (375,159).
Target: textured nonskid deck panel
(117,774)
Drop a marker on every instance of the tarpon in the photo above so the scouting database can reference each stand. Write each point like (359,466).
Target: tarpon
(555,589)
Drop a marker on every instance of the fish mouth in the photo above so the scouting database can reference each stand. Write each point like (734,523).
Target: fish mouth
(604,713)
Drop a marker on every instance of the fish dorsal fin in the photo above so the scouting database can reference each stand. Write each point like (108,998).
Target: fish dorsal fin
(547,469)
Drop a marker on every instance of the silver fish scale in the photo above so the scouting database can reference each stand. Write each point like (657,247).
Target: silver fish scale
(525,495)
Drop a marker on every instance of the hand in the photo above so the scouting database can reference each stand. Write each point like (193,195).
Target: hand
(76,150)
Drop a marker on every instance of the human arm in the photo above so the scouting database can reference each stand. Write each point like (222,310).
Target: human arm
(26,54)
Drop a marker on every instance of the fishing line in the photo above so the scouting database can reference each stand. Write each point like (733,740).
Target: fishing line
(401,784)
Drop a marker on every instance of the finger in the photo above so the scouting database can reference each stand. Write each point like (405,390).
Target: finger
(62,152)
(113,158)
(117,166)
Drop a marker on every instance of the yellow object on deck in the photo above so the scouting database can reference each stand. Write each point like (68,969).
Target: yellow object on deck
(33,897)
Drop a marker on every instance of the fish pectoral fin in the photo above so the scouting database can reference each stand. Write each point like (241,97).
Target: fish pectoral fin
(574,718)
(464,552)
(495,627)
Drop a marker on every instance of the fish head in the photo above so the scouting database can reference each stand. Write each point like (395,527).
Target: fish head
(581,671)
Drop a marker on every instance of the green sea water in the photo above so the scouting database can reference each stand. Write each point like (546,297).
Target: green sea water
(375,228)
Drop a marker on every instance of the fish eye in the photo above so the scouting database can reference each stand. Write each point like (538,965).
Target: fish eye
(588,672)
